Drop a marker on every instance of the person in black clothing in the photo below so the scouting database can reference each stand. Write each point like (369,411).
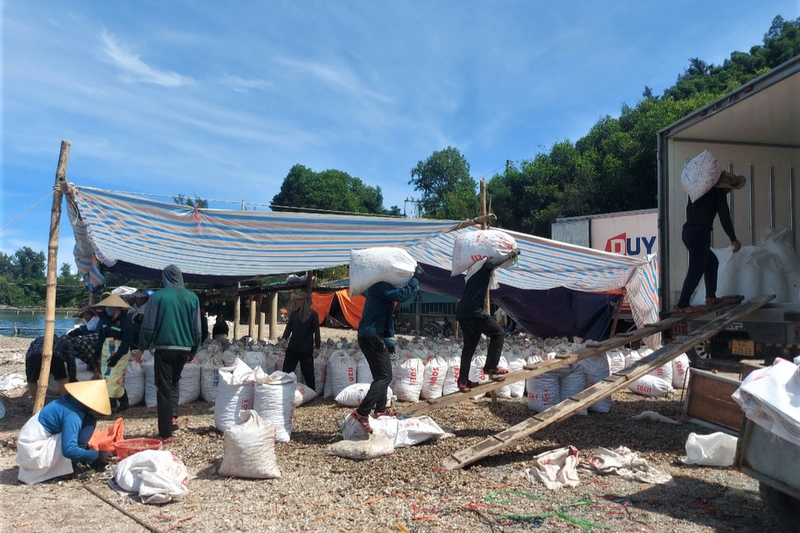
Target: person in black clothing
(301,339)
(203,326)
(62,366)
(220,327)
(696,236)
(474,321)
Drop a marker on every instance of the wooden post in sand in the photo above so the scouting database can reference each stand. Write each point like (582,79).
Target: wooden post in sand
(253,310)
(237,313)
(262,319)
(273,316)
(61,186)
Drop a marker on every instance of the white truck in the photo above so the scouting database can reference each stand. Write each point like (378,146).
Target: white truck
(633,233)
(754,131)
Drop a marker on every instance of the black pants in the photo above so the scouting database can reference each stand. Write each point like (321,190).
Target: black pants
(472,328)
(380,364)
(306,360)
(168,367)
(703,263)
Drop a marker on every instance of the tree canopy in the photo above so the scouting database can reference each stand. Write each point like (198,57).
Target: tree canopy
(329,190)
(613,167)
(448,191)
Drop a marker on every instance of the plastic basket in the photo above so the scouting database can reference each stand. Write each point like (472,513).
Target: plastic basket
(126,448)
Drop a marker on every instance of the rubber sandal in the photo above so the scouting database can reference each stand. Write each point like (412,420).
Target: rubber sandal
(686,310)
(175,424)
(387,412)
(498,374)
(363,421)
(713,301)
(465,386)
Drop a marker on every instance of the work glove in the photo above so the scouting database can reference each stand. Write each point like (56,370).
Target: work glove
(418,272)
(112,361)
(514,253)
(103,458)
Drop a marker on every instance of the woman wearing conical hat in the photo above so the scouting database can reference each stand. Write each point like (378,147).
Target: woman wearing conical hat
(58,434)
(114,339)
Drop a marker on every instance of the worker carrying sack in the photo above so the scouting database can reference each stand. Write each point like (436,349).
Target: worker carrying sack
(473,246)
(395,266)
(700,175)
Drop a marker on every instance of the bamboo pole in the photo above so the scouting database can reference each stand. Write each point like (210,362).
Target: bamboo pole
(273,316)
(61,186)
(617,312)
(237,313)
(262,325)
(252,324)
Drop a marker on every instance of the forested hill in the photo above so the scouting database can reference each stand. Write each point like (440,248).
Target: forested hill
(613,167)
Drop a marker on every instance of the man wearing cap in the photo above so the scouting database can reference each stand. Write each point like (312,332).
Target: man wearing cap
(696,235)
(301,339)
(57,435)
(62,367)
(171,328)
(112,349)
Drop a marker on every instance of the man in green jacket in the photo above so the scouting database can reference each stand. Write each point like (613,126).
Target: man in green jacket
(171,329)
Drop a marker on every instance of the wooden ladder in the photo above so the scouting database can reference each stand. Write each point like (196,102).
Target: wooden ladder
(605,388)
(591,349)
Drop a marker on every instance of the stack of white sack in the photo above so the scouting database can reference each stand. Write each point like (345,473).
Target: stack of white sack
(235,393)
(771,268)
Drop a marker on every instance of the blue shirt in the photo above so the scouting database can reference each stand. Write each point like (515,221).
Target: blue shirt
(376,319)
(69,417)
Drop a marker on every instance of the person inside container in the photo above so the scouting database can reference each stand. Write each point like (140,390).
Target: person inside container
(57,436)
(301,338)
(696,236)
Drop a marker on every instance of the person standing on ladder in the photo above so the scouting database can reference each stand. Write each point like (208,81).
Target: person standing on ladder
(112,351)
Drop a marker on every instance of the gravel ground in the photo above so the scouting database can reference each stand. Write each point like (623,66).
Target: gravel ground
(404,492)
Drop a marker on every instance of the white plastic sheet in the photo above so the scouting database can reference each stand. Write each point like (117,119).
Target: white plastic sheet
(717,449)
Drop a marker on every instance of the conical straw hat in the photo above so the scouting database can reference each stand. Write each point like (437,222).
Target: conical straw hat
(113,301)
(93,394)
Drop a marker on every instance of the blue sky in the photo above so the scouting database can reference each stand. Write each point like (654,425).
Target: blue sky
(192,97)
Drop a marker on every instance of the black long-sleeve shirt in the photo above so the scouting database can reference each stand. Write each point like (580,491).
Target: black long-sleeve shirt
(700,213)
(220,328)
(305,335)
(471,304)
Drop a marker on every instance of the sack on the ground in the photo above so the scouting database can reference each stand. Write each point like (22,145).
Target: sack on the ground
(408,378)
(149,369)
(716,449)
(235,393)
(572,384)
(209,380)
(341,371)
(321,374)
(155,476)
(274,399)
(700,175)
(253,358)
(544,391)
(249,449)
(616,361)
(353,395)
(433,377)
(134,382)
(515,363)
(451,379)
(363,372)
(377,445)
(473,246)
(680,368)
(395,266)
(189,385)
(652,386)
(402,432)
(595,370)
(664,372)
(303,394)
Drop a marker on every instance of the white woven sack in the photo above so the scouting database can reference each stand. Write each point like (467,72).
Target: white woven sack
(572,384)
(156,476)
(235,393)
(189,385)
(254,359)
(377,445)
(230,355)
(408,379)
(505,390)
(274,361)
(595,370)
(249,449)
(363,372)
(632,358)
(341,371)
(433,377)
(473,246)
(274,399)
(516,363)
(651,386)
(664,372)
(616,361)
(700,175)
(209,379)
(201,356)
(303,394)
(320,374)
(367,267)
(150,391)
(401,432)
(544,391)
(134,382)
(680,368)
(353,395)
(450,384)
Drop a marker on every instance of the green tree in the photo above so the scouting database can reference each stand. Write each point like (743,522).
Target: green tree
(185,200)
(448,191)
(328,190)
(69,288)
(22,278)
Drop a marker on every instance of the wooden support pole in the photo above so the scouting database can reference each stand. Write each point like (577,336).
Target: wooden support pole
(273,316)
(484,225)
(237,313)
(262,317)
(617,312)
(251,330)
(61,186)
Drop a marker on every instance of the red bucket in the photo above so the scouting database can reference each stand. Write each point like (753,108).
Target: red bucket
(126,448)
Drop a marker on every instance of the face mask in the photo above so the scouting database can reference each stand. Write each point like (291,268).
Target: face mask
(111,310)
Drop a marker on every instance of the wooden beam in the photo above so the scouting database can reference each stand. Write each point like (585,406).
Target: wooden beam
(473,222)
(591,349)
(603,389)
(273,316)
(61,185)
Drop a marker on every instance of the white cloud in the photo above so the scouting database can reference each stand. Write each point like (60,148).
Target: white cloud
(242,85)
(342,79)
(134,69)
